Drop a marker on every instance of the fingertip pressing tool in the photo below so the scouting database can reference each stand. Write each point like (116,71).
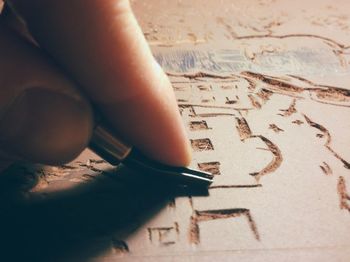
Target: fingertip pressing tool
(112,149)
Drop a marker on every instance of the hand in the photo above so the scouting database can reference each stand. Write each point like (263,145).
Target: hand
(93,51)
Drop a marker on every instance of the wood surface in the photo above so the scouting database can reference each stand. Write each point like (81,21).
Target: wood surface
(263,87)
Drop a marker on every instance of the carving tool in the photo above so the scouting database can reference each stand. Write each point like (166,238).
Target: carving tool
(115,151)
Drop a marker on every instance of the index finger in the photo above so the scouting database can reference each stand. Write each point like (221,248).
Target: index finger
(102,47)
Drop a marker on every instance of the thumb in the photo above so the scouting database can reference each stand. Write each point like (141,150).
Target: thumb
(102,47)
(43,117)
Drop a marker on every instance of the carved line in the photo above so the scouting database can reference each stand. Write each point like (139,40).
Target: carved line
(326,169)
(327,144)
(120,246)
(245,133)
(235,186)
(343,195)
(342,46)
(275,128)
(290,110)
(274,163)
(208,215)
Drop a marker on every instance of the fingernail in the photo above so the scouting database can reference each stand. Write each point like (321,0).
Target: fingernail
(45,126)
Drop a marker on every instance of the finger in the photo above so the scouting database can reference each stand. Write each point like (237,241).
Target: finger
(43,118)
(102,46)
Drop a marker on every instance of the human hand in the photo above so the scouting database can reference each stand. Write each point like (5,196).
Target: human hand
(102,57)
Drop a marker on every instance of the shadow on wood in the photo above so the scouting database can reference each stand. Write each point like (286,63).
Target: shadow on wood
(77,223)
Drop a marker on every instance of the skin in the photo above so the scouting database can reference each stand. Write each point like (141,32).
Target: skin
(91,52)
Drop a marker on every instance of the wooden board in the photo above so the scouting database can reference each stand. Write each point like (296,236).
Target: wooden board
(264,91)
